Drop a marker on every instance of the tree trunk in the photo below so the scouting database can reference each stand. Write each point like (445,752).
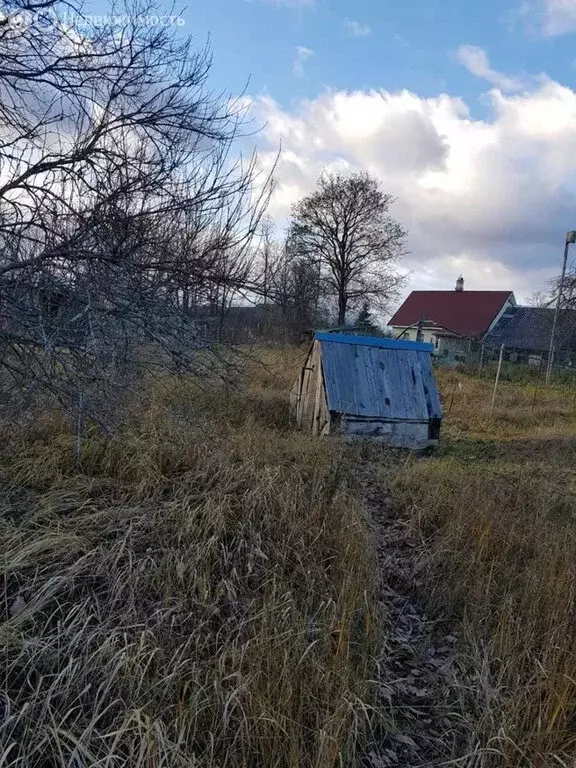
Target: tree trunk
(342,302)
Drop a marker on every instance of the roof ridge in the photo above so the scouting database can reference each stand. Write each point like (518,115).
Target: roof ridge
(467,313)
(373,341)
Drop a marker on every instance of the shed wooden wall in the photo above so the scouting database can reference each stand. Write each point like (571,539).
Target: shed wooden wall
(308,397)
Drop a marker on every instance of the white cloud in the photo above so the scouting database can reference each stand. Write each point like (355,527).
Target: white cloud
(549,17)
(301,56)
(559,17)
(476,61)
(355,29)
(489,198)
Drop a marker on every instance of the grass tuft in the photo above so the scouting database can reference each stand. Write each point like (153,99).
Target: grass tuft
(196,590)
(497,508)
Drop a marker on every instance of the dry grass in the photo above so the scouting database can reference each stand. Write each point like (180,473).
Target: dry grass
(195,591)
(199,590)
(497,506)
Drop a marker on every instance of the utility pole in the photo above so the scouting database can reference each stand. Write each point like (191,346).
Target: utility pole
(570,238)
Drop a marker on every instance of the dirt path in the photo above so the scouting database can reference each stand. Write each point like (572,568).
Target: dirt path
(423,688)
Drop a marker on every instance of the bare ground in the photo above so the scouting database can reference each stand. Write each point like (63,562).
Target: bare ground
(424,686)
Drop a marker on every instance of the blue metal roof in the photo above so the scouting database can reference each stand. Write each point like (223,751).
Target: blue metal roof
(374,341)
(387,379)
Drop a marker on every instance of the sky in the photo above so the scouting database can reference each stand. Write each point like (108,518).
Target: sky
(465,110)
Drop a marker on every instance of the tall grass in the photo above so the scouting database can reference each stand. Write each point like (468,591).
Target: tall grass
(200,588)
(194,591)
(497,507)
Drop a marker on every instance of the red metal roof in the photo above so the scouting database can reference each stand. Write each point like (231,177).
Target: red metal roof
(469,313)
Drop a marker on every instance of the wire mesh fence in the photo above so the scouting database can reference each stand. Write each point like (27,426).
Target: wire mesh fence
(501,366)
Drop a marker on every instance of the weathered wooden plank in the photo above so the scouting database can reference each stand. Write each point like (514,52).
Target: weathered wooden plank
(318,397)
(372,381)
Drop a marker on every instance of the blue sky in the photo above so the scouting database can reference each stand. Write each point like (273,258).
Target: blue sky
(402,44)
(465,111)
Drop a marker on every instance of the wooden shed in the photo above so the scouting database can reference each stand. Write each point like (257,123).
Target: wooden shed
(362,386)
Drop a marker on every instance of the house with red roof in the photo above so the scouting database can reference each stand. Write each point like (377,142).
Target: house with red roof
(451,320)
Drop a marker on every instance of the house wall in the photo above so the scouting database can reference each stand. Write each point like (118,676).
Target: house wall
(442,344)
(534,357)
(510,302)
(409,334)
(452,347)
(445,344)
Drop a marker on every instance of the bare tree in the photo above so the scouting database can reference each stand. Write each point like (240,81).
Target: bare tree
(122,208)
(568,299)
(267,248)
(294,288)
(540,299)
(344,228)
(549,297)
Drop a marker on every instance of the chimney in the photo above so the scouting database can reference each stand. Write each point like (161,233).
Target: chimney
(460,284)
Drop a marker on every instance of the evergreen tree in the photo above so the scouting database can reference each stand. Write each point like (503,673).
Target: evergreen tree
(365,321)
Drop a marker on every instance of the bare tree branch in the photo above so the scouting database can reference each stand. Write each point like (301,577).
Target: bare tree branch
(344,228)
(123,211)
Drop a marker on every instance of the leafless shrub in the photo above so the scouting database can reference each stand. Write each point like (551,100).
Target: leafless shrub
(124,219)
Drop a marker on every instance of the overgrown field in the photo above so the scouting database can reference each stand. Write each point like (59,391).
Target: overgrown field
(197,590)
(497,507)
(201,588)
